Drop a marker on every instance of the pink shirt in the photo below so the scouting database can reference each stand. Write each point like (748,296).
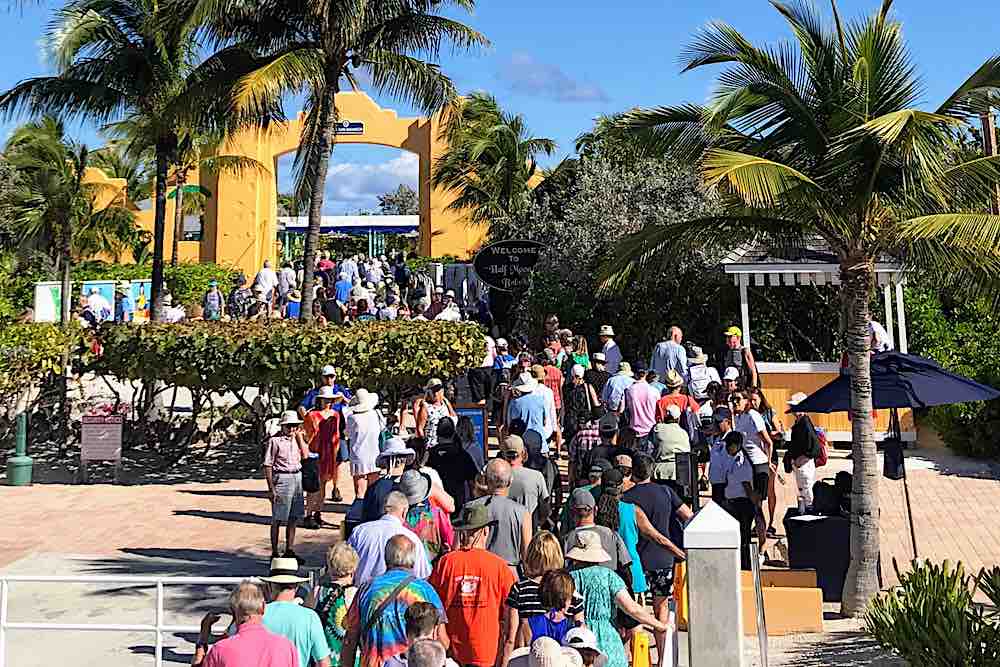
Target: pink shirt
(252,646)
(283,454)
(641,403)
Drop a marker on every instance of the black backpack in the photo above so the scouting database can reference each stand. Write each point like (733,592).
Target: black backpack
(826,499)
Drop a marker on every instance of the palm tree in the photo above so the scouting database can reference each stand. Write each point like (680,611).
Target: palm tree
(140,57)
(822,138)
(490,162)
(116,161)
(52,206)
(315,46)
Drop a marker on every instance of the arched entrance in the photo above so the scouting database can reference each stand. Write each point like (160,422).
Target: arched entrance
(240,225)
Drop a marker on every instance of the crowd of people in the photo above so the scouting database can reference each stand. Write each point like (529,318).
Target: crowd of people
(454,556)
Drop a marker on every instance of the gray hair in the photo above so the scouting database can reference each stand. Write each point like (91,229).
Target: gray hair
(498,474)
(246,600)
(426,653)
(399,552)
(395,502)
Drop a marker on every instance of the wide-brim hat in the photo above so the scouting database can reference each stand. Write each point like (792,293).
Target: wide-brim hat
(525,383)
(584,638)
(394,447)
(625,368)
(415,485)
(472,517)
(698,355)
(364,401)
(606,330)
(284,571)
(290,417)
(673,379)
(295,296)
(545,652)
(327,392)
(588,548)
(797,398)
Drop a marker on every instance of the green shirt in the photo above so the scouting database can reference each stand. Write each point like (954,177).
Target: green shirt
(301,626)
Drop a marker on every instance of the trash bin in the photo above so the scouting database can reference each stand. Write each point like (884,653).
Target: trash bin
(821,543)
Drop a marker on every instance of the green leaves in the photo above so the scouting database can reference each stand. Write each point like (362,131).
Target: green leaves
(759,182)
(28,353)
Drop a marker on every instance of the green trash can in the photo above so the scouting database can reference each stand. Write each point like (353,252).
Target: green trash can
(19,466)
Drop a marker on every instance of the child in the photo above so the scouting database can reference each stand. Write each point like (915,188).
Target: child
(718,459)
(556,594)
(422,623)
(741,498)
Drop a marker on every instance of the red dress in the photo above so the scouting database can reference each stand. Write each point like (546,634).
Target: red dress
(323,431)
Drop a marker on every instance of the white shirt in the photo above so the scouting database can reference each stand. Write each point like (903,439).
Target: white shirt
(173,313)
(286,281)
(491,353)
(267,279)
(451,313)
(369,540)
(613,354)
(100,306)
(751,424)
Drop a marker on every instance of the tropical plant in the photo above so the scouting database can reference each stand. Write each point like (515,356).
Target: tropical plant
(490,163)
(290,205)
(141,57)
(116,161)
(932,620)
(821,139)
(52,207)
(401,201)
(314,46)
(28,354)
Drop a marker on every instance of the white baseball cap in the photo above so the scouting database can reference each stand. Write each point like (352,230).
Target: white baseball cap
(501,342)
(328,370)
(732,373)
(674,411)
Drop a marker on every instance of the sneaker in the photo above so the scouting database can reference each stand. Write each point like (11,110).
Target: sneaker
(291,554)
(310,523)
(335,496)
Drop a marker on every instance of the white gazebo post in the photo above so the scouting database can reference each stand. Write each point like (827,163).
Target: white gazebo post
(745,309)
(901,314)
(715,601)
(887,300)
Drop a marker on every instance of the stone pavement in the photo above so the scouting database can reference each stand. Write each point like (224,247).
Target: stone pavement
(159,526)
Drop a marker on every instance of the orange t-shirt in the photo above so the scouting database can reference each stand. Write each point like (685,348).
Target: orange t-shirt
(473,585)
(680,400)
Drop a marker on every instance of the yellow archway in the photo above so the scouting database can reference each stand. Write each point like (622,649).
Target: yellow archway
(240,226)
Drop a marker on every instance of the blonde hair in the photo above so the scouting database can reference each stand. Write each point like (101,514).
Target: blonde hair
(581,345)
(538,371)
(341,560)
(544,554)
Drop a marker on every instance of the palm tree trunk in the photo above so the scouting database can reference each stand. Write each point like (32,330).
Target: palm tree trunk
(65,266)
(327,118)
(857,277)
(159,226)
(178,216)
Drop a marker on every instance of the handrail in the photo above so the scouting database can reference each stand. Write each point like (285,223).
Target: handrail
(158,626)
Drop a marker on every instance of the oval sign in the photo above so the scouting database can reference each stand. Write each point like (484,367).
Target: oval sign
(507,265)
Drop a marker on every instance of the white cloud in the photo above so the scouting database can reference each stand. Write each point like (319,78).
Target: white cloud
(351,186)
(524,74)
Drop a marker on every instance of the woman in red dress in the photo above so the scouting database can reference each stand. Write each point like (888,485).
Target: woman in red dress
(322,427)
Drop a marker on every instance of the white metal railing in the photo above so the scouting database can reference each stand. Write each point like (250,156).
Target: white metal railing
(158,626)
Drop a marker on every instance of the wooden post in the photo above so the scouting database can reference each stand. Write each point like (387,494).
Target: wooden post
(990,149)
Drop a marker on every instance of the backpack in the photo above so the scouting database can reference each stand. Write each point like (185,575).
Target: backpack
(826,499)
(824,454)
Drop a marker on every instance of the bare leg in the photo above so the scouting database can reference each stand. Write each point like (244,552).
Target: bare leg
(275,529)
(661,609)
(772,499)
(360,485)
(290,534)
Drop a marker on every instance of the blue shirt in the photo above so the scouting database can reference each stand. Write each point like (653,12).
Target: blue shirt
(530,408)
(343,290)
(369,540)
(309,401)
(292,309)
(503,361)
(738,471)
(614,391)
(668,356)
(124,309)
(301,626)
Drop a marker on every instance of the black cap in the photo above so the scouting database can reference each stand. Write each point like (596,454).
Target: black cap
(608,424)
(600,467)
(612,479)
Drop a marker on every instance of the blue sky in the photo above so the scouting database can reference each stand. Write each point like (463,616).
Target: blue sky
(561,63)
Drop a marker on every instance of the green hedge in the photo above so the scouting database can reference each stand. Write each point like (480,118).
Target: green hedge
(187,282)
(28,352)
(383,356)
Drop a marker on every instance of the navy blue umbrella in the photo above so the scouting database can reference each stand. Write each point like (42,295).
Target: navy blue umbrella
(901,381)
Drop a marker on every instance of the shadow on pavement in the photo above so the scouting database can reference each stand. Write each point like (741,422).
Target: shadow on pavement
(845,649)
(169,654)
(225,515)
(226,493)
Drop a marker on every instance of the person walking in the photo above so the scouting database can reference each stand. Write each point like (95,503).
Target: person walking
(240,299)
(427,522)
(283,473)
(431,410)
(776,430)
(511,521)
(700,375)
(742,498)
(757,443)
(393,461)
(364,427)
(287,617)
(322,432)
(474,583)
(527,405)
(333,595)
(675,383)
(597,375)
(613,395)
(376,619)
(610,350)
(739,357)
(124,308)
(641,401)
(579,401)
(670,355)
(804,447)
(267,280)
(527,485)
(585,514)
(370,540)
(668,440)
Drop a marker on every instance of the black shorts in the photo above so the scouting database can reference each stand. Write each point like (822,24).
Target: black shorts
(761,475)
(660,583)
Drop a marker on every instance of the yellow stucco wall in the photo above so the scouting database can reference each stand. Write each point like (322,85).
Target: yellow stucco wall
(240,222)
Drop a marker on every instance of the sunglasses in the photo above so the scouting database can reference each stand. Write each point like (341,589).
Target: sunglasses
(509,455)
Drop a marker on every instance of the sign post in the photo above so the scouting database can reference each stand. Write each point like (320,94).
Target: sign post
(101,440)
(507,265)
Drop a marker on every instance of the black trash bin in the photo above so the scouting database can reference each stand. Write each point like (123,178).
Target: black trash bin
(821,543)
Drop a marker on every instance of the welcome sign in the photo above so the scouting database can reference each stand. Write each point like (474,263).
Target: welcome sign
(508,265)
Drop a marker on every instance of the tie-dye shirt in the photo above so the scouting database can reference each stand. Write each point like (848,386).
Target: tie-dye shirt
(387,636)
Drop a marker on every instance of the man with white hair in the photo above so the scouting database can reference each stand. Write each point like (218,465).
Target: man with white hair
(252,644)
(612,353)
(527,405)
(511,520)
(268,280)
(376,620)
(370,540)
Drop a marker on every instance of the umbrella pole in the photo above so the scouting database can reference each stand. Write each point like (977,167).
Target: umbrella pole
(897,432)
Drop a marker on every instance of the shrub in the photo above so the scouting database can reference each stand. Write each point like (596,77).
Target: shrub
(28,353)
(187,282)
(931,621)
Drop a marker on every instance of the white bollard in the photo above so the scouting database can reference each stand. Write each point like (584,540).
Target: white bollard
(715,607)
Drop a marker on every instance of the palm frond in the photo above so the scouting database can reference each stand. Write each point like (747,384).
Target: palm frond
(759,182)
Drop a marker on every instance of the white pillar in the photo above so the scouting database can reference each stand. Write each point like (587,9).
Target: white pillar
(745,309)
(887,299)
(715,601)
(901,314)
